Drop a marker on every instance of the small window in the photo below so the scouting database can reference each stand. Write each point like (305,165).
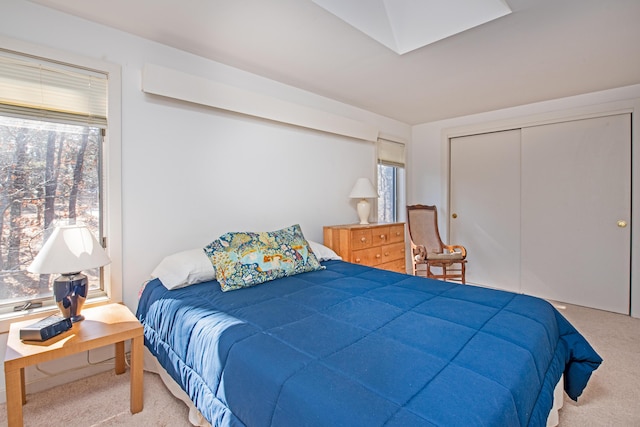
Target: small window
(391,180)
(52,127)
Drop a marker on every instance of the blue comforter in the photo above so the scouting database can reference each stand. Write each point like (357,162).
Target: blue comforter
(357,346)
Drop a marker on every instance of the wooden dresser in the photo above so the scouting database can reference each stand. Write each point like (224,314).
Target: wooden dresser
(375,245)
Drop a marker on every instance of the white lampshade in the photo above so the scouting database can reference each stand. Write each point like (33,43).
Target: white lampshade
(363,190)
(69,249)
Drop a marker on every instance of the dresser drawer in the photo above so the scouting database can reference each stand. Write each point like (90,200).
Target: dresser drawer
(371,256)
(398,266)
(380,236)
(393,252)
(361,239)
(396,233)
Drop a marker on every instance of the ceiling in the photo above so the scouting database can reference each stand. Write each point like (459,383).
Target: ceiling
(544,49)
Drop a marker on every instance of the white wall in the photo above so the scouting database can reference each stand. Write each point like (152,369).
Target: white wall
(191,173)
(428,156)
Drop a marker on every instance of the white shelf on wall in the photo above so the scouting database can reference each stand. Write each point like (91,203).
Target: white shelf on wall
(162,81)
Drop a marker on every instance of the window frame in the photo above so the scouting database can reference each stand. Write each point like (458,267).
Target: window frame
(111,170)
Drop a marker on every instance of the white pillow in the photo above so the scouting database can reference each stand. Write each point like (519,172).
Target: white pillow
(322,252)
(184,268)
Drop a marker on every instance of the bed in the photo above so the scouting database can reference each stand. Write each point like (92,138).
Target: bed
(351,345)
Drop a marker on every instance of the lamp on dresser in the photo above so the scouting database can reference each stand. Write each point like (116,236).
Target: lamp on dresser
(363,190)
(69,250)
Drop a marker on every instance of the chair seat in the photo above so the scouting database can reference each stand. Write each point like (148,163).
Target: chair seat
(444,256)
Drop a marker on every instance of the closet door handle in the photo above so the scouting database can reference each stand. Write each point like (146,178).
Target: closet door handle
(454,215)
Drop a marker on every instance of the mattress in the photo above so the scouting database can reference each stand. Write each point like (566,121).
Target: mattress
(353,345)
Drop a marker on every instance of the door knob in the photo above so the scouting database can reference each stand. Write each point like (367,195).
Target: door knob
(454,215)
(622,223)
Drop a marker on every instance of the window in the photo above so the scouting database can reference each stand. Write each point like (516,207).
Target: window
(53,119)
(391,180)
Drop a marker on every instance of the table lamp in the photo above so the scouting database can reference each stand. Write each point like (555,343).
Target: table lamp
(69,250)
(363,189)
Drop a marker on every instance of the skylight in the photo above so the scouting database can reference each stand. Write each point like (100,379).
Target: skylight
(406,25)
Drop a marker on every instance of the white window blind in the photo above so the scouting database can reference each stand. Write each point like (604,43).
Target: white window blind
(390,153)
(40,89)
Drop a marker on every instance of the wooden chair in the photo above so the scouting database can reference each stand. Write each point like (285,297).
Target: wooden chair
(427,249)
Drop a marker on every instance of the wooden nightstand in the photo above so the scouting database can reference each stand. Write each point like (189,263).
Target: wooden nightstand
(103,325)
(376,245)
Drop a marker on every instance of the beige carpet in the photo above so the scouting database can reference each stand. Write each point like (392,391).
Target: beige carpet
(102,400)
(611,398)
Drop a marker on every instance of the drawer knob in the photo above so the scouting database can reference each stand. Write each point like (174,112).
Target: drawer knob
(383,236)
(363,239)
(386,254)
(378,255)
(357,259)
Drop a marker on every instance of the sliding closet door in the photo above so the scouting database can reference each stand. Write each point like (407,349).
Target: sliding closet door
(484,198)
(576,190)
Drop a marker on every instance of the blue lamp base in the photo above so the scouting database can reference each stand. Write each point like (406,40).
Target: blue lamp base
(70,292)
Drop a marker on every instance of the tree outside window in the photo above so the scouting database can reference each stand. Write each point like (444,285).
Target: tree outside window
(387,177)
(391,200)
(50,173)
(391,180)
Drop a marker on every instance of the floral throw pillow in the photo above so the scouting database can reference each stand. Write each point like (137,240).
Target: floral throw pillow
(244,259)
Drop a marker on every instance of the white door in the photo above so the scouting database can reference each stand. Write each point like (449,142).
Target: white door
(484,197)
(576,188)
